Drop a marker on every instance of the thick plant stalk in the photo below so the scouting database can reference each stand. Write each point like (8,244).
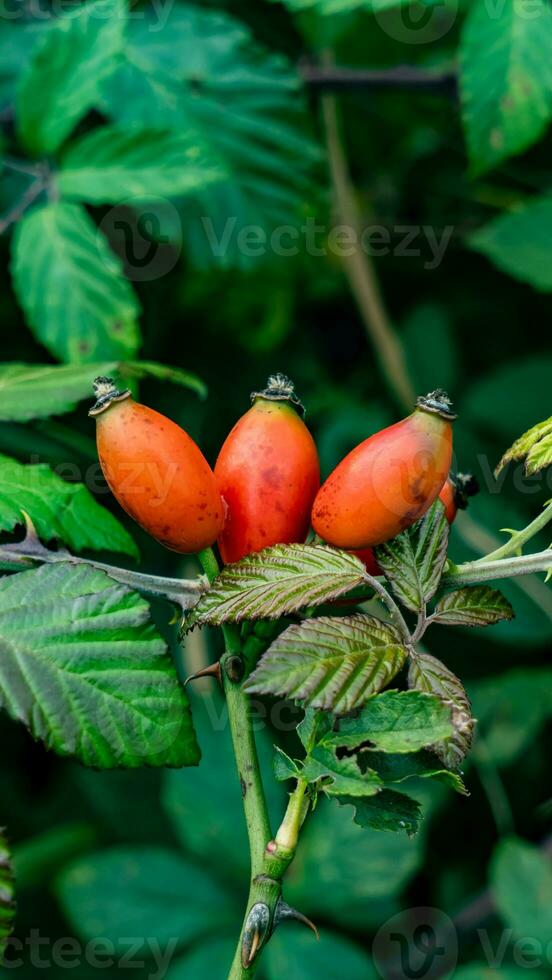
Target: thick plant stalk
(520,538)
(485,570)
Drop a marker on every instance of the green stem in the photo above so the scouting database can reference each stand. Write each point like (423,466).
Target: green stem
(288,833)
(484,570)
(392,607)
(517,540)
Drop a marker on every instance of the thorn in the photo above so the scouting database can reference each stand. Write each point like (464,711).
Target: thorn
(256,932)
(212,670)
(285,913)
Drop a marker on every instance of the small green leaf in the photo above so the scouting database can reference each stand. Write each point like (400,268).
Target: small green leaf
(7,894)
(339,776)
(58,509)
(115,163)
(84,668)
(521,880)
(518,242)
(330,663)
(275,582)
(395,721)
(413,562)
(69,65)
(478,606)
(314,726)
(147,892)
(388,810)
(534,446)
(284,767)
(430,675)
(33,391)
(71,287)
(396,768)
(506,79)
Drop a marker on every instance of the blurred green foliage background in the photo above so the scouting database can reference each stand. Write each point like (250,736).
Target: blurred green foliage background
(159,854)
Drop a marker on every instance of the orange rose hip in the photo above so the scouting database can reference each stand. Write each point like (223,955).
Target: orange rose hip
(156,471)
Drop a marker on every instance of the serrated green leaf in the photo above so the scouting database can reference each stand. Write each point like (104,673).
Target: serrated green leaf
(7,894)
(521,880)
(506,79)
(395,721)
(83,667)
(330,663)
(413,562)
(518,242)
(388,810)
(396,768)
(339,776)
(69,65)
(275,582)
(143,892)
(71,286)
(428,674)
(284,767)
(33,391)
(534,446)
(58,509)
(202,72)
(115,163)
(477,606)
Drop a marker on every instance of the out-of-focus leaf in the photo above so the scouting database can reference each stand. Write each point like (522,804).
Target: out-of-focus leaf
(511,710)
(277,581)
(413,562)
(210,959)
(84,668)
(395,721)
(517,242)
(428,328)
(506,79)
(388,810)
(500,400)
(147,893)
(477,606)
(298,956)
(67,511)
(534,446)
(7,894)
(115,163)
(32,391)
(426,673)
(17,42)
(71,286)
(521,880)
(63,80)
(481,971)
(330,663)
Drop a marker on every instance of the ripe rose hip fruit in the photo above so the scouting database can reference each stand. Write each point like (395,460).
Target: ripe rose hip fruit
(156,471)
(389,481)
(454,495)
(267,473)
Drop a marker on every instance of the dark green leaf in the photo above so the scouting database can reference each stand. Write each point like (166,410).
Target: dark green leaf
(511,710)
(31,391)
(17,42)
(413,765)
(395,721)
(388,810)
(429,674)
(296,955)
(518,242)
(339,776)
(69,65)
(534,446)
(330,663)
(209,959)
(477,606)
(521,880)
(7,894)
(116,163)
(58,509)
(277,581)
(148,893)
(506,79)
(71,286)
(83,667)
(413,562)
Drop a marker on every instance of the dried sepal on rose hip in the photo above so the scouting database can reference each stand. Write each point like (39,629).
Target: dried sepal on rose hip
(156,471)
(267,473)
(388,481)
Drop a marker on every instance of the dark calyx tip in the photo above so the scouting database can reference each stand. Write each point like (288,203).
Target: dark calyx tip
(465,486)
(437,402)
(106,392)
(279,388)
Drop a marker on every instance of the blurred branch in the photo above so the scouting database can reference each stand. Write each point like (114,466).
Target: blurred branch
(359,268)
(410,77)
(18,210)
